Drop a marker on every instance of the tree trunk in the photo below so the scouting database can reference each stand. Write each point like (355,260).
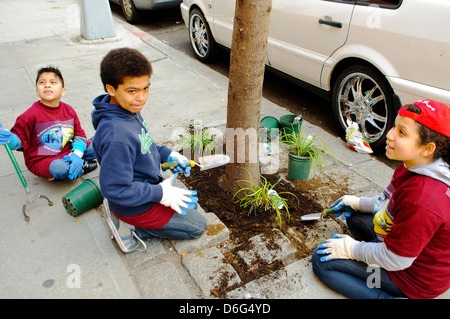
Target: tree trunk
(246,76)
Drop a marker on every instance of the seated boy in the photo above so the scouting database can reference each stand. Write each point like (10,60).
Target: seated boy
(49,133)
(130,174)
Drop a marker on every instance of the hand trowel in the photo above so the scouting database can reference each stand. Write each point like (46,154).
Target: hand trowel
(317,216)
(205,162)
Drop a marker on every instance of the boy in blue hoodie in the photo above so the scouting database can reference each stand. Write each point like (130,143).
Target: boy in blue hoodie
(130,176)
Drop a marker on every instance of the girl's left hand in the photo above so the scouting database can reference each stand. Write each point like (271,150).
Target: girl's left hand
(338,247)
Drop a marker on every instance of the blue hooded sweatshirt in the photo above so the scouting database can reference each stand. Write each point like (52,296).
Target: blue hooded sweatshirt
(129,160)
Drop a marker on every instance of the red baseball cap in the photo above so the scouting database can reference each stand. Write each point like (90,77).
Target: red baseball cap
(434,115)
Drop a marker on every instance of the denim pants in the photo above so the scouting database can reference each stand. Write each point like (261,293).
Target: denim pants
(59,168)
(189,226)
(355,279)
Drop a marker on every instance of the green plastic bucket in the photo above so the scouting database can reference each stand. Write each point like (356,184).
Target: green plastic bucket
(85,196)
(298,167)
(288,126)
(268,128)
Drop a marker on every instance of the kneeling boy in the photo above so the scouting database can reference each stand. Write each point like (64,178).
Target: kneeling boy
(130,161)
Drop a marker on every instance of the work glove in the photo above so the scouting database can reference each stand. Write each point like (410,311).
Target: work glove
(75,165)
(178,199)
(338,247)
(347,205)
(181,159)
(6,137)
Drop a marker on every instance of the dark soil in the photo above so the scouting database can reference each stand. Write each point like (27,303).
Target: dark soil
(242,226)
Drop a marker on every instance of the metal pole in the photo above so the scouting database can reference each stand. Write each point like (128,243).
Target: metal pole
(96,20)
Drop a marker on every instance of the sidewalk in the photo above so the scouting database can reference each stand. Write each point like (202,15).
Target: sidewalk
(55,255)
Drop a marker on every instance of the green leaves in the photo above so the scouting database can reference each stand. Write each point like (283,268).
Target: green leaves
(201,141)
(257,196)
(308,146)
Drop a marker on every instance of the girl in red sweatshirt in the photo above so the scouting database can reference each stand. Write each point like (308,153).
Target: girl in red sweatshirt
(406,232)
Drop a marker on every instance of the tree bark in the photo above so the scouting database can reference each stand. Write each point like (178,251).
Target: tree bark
(246,76)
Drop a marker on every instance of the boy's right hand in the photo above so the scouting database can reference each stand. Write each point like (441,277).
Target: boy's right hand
(6,137)
(177,198)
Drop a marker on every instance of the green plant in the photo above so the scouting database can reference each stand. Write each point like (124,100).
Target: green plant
(260,196)
(308,146)
(201,140)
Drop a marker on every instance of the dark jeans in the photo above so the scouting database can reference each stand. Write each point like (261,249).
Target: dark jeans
(355,279)
(189,226)
(59,168)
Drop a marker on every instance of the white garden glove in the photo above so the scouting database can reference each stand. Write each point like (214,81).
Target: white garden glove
(338,247)
(350,200)
(178,199)
(347,204)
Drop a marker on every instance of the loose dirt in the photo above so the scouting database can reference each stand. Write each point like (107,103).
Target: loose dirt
(311,195)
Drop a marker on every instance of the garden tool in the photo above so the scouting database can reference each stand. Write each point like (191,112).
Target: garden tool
(205,162)
(317,216)
(30,197)
(126,243)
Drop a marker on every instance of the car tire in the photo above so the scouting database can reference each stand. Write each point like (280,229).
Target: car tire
(362,94)
(131,14)
(201,38)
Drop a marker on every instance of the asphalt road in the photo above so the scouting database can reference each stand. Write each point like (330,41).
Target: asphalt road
(168,26)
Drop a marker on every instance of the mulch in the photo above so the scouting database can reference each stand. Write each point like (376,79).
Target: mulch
(243,226)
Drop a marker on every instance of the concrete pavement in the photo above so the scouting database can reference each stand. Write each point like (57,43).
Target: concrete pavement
(55,255)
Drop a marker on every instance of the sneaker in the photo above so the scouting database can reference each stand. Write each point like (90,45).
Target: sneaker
(89,166)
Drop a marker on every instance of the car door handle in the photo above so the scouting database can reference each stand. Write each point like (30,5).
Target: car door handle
(331,23)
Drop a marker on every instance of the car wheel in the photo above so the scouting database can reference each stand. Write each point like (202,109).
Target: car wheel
(132,15)
(201,38)
(364,95)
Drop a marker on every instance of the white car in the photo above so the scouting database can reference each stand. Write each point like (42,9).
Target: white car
(133,10)
(369,57)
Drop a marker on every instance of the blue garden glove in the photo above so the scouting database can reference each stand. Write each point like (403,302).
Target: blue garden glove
(193,199)
(347,204)
(179,199)
(6,137)
(338,247)
(75,165)
(181,159)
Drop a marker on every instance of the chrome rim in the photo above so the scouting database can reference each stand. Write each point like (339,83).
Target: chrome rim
(198,35)
(361,99)
(127,7)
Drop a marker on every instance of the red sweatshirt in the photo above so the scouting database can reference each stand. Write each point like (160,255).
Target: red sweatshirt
(420,210)
(46,134)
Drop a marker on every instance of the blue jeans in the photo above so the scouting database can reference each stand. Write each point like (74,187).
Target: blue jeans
(59,168)
(189,226)
(355,279)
